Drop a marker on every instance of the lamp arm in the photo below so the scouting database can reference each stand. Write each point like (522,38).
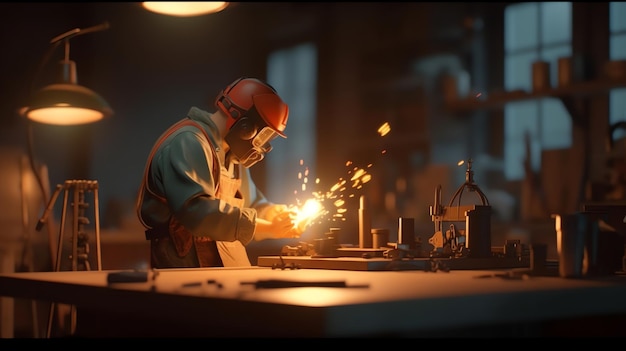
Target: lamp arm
(77,31)
(56,41)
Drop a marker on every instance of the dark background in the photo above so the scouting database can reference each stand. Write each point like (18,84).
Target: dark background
(151,68)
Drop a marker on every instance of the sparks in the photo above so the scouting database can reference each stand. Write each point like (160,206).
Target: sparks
(307,213)
(319,204)
(384,129)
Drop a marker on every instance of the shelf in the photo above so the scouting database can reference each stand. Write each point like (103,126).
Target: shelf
(498,100)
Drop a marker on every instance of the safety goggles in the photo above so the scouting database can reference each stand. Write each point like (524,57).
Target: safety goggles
(262,140)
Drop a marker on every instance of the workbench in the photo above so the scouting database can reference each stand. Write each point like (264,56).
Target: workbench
(233,302)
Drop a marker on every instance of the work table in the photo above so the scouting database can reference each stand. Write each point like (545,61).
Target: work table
(228,302)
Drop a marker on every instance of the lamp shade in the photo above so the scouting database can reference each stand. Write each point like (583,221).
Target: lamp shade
(184,8)
(66,104)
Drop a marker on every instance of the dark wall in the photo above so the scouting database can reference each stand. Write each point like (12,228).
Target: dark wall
(149,67)
(152,68)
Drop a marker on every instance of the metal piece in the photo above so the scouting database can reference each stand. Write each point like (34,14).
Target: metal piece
(284,266)
(398,253)
(380,237)
(476,237)
(406,231)
(365,224)
(470,185)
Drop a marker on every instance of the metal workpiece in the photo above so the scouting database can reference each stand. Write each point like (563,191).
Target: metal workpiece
(406,232)
(470,185)
(329,243)
(365,224)
(380,238)
(462,240)
(469,232)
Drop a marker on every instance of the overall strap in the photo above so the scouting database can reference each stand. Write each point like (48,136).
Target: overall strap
(144,182)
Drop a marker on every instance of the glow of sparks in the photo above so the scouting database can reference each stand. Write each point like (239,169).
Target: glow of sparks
(313,208)
(307,213)
(384,129)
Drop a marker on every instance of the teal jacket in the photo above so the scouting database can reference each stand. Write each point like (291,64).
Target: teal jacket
(181,172)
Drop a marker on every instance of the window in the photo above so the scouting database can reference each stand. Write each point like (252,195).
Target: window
(617,51)
(293,73)
(534,31)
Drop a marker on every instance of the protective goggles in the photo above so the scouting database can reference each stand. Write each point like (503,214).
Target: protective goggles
(261,140)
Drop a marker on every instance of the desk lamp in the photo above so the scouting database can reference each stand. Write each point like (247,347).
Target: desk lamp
(66,102)
(63,103)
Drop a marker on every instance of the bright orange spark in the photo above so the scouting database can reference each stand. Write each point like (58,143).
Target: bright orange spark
(336,193)
(384,129)
(307,213)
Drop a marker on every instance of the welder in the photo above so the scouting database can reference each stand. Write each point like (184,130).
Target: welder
(197,199)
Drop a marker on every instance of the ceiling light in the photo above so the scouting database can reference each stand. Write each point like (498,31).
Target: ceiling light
(183,8)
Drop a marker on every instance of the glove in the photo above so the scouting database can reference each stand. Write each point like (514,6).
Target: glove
(277,224)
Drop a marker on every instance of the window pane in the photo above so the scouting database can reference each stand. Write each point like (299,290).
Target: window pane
(520,26)
(556,125)
(618,47)
(617,106)
(520,118)
(547,121)
(518,71)
(617,97)
(556,22)
(292,72)
(617,13)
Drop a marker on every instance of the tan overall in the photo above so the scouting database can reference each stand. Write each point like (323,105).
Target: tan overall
(210,253)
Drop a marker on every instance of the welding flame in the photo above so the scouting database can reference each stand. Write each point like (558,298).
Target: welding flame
(314,207)
(307,213)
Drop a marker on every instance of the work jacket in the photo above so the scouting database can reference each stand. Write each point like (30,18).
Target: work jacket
(193,196)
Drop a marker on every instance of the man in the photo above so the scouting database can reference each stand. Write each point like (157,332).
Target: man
(197,200)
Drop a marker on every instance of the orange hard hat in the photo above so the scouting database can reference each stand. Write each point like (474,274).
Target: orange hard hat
(244,94)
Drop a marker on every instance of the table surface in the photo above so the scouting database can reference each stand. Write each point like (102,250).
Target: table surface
(372,303)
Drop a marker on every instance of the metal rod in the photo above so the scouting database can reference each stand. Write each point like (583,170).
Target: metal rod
(97,224)
(77,31)
(75,230)
(57,266)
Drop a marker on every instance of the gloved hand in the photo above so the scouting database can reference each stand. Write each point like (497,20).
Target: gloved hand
(277,224)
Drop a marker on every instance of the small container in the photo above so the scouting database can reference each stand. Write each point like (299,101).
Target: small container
(380,238)
(571,69)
